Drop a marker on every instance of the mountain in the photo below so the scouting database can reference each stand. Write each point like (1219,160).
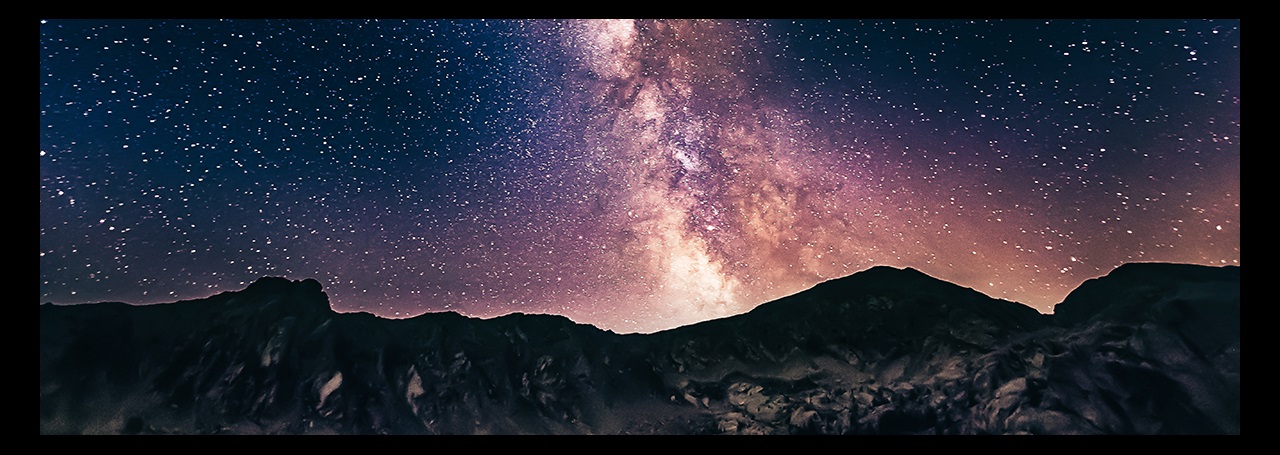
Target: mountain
(1147,349)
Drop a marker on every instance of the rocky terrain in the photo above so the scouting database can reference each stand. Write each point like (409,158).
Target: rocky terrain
(1147,349)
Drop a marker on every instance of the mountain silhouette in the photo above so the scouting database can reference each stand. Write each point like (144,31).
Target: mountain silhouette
(1147,349)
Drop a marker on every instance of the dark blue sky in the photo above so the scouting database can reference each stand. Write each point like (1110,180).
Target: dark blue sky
(636,175)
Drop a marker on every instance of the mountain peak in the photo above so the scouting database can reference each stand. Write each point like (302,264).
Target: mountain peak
(295,295)
(883,277)
(278,284)
(1134,290)
(1166,271)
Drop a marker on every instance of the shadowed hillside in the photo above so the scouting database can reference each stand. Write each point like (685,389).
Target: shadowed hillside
(1147,349)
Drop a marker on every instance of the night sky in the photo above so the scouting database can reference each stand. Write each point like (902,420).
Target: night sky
(634,175)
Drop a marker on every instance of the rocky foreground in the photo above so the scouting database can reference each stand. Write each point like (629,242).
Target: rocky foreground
(1147,349)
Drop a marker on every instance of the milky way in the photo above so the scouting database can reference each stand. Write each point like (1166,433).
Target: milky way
(635,175)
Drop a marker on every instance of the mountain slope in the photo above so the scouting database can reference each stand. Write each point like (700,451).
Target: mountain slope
(1147,349)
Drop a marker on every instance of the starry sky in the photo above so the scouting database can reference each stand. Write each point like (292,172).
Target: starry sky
(636,175)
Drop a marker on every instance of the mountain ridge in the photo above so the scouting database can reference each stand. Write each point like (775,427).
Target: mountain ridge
(868,279)
(882,351)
